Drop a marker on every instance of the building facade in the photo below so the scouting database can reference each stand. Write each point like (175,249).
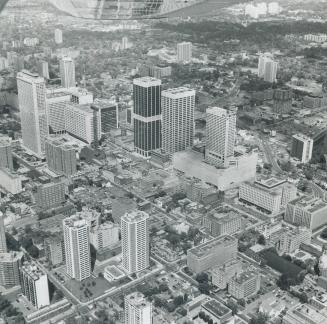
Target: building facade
(177,107)
(184,52)
(33,113)
(147,115)
(109,115)
(105,236)
(6,159)
(34,283)
(9,269)
(212,253)
(77,247)
(302,148)
(3,242)
(10,181)
(220,136)
(221,276)
(137,309)
(135,241)
(67,72)
(50,195)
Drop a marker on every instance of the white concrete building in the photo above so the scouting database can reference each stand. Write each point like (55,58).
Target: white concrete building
(67,72)
(135,241)
(302,147)
(105,236)
(58,36)
(77,247)
(34,283)
(10,182)
(81,123)
(33,114)
(184,52)
(137,309)
(220,136)
(177,106)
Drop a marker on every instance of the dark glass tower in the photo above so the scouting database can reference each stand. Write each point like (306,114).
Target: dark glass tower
(147,115)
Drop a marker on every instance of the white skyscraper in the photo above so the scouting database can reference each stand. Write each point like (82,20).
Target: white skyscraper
(3,243)
(77,247)
(135,241)
(32,105)
(137,309)
(34,283)
(220,136)
(177,106)
(267,67)
(58,36)
(67,72)
(184,52)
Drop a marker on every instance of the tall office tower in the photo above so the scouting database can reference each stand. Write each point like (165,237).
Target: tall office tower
(184,52)
(3,243)
(282,101)
(60,156)
(56,104)
(135,241)
(50,195)
(33,114)
(58,36)
(80,96)
(34,283)
(43,69)
(220,136)
(270,71)
(9,269)
(6,159)
(108,113)
(302,146)
(67,72)
(137,309)
(147,115)
(177,107)
(77,247)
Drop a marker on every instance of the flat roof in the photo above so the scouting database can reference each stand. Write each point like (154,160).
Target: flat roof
(147,81)
(178,92)
(309,203)
(135,216)
(245,276)
(202,249)
(270,182)
(216,308)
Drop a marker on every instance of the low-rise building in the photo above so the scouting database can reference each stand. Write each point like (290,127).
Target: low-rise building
(218,312)
(306,211)
(10,182)
(55,250)
(212,253)
(304,314)
(270,195)
(223,222)
(50,194)
(244,285)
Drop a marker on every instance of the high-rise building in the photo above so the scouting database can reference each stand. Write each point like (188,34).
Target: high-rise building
(80,122)
(77,247)
(184,52)
(222,275)
(56,104)
(302,148)
(50,195)
(147,115)
(10,181)
(3,243)
(290,240)
(33,114)
(58,36)
(267,67)
(9,269)
(108,112)
(34,283)
(135,241)
(137,309)
(220,136)
(43,69)
(67,72)
(80,96)
(60,156)
(6,159)
(282,101)
(177,119)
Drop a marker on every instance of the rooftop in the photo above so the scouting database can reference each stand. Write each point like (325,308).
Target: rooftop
(147,81)
(245,276)
(135,216)
(216,308)
(270,183)
(309,203)
(10,256)
(32,270)
(206,247)
(137,299)
(178,92)
(221,111)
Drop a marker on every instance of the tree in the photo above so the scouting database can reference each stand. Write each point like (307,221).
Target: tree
(179,300)
(261,240)
(260,318)
(33,251)
(324,234)
(303,298)
(202,277)
(204,288)
(233,306)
